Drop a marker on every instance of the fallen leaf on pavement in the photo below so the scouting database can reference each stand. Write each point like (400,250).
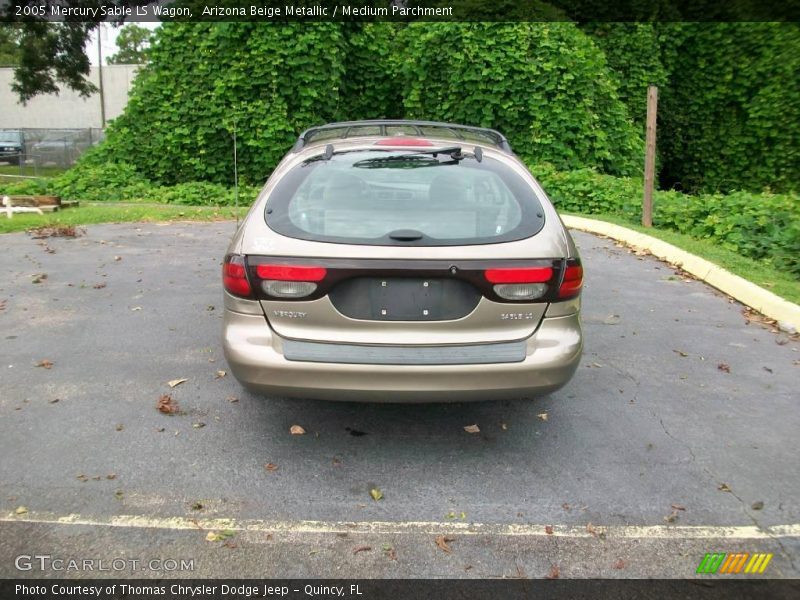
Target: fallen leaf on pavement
(681,352)
(39,278)
(82,477)
(21,510)
(671,517)
(99,286)
(271,467)
(472,429)
(554,573)
(548,529)
(724,487)
(118,495)
(175,382)
(120,427)
(45,364)
(542,416)
(591,529)
(362,549)
(232,399)
(376,494)
(218,536)
(197,506)
(442,541)
(503,426)
(111,476)
(117,258)
(198,425)
(220,374)
(677,506)
(724,367)
(297,430)
(167,405)
(758,505)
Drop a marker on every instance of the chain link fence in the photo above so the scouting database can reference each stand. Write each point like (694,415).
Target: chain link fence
(41,152)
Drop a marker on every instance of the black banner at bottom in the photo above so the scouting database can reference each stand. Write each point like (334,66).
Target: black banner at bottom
(374,589)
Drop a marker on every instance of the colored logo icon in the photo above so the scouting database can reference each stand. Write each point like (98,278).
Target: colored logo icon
(733,564)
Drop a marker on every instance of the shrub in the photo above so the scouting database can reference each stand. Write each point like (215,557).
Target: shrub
(271,80)
(545,85)
(761,226)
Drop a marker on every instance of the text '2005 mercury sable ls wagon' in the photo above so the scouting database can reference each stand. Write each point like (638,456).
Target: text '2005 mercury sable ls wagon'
(402,261)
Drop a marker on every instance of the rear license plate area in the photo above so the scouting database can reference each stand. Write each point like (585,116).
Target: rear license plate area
(404,298)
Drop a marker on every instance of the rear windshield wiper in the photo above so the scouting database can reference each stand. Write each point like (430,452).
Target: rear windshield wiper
(412,160)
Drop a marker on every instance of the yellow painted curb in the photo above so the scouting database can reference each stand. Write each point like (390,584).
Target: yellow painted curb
(746,292)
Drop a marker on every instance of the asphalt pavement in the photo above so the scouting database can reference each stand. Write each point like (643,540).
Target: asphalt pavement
(677,436)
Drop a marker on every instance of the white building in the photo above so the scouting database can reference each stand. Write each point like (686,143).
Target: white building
(67,109)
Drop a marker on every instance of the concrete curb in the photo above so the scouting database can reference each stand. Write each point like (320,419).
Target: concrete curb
(786,313)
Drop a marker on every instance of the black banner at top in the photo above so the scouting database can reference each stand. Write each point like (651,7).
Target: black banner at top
(401,10)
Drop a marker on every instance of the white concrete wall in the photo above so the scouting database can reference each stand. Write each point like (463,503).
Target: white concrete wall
(66,109)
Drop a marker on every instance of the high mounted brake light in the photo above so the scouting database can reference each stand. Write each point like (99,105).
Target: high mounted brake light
(404,141)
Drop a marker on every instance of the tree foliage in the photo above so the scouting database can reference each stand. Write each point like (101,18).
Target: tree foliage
(133,42)
(730,113)
(203,79)
(9,45)
(545,85)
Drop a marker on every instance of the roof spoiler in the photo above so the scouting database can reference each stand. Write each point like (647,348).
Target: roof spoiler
(492,136)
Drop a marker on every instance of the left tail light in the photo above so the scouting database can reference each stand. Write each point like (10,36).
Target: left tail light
(234,276)
(289,281)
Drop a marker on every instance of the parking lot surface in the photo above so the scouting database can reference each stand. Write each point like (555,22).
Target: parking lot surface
(677,436)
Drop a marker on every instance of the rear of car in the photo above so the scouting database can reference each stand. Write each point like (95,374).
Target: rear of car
(12,146)
(402,261)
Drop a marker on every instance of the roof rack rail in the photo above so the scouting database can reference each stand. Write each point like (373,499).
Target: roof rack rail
(490,135)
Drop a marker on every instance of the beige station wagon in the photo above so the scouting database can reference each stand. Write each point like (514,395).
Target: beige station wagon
(402,261)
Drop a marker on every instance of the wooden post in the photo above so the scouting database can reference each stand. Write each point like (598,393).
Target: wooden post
(100,77)
(650,156)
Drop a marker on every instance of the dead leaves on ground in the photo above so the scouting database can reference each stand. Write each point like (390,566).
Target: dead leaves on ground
(271,467)
(176,382)
(45,364)
(724,367)
(724,487)
(472,429)
(442,542)
(362,549)
(48,231)
(220,536)
(554,573)
(220,374)
(542,416)
(376,494)
(167,405)
(297,430)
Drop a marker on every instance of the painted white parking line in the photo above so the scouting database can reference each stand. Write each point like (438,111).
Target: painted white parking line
(684,532)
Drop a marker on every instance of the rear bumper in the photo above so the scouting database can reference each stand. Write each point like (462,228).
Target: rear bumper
(255,356)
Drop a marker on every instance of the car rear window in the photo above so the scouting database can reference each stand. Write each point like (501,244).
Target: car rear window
(404,197)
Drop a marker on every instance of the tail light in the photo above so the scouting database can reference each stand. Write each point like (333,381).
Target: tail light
(290,281)
(527,283)
(573,280)
(234,276)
